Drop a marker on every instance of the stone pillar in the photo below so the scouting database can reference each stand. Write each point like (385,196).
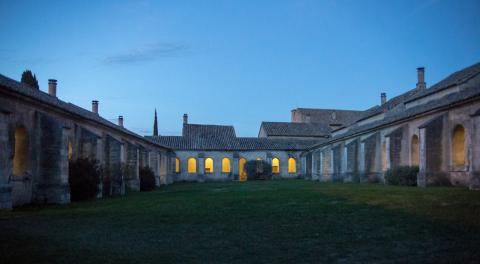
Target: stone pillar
(421,178)
(100,156)
(5,163)
(200,168)
(235,168)
(361,159)
(314,166)
(320,175)
(474,181)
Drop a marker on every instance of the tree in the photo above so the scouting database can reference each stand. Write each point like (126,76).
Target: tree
(30,79)
(155,125)
(258,170)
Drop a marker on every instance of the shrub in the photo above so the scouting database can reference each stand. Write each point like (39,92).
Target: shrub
(258,170)
(147,179)
(84,177)
(402,175)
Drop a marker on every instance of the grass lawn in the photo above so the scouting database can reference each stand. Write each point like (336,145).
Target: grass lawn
(266,221)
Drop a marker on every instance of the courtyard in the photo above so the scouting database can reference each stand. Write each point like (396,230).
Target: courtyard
(258,221)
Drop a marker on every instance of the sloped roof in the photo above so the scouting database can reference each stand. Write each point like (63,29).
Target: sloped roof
(330,116)
(234,143)
(289,129)
(208,131)
(39,95)
(471,92)
(453,79)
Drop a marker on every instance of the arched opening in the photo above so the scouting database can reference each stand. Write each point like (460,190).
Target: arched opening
(242,175)
(70,151)
(226,165)
(192,165)
(415,151)
(275,165)
(384,156)
(458,146)
(177,165)
(292,165)
(208,165)
(20,156)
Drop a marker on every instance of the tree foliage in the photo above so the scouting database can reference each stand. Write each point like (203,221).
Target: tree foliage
(84,177)
(402,175)
(258,170)
(30,79)
(147,179)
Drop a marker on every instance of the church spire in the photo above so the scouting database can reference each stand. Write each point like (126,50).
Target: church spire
(155,124)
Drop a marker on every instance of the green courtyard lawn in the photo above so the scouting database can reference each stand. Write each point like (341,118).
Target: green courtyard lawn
(265,221)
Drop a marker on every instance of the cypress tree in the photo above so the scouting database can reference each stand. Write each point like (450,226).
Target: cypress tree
(30,79)
(155,125)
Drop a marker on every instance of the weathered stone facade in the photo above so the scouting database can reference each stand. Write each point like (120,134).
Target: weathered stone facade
(40,133)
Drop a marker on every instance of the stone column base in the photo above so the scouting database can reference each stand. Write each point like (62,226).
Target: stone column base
(5,196)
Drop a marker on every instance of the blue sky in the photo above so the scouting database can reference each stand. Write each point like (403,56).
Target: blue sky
(234,62)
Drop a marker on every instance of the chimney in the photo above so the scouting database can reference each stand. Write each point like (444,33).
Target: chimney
(383,98)
(95,106)
(185,119)
(120,121)
(52,87)
(421,78)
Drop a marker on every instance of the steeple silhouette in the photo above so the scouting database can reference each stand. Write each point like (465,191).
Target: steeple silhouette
(155,124)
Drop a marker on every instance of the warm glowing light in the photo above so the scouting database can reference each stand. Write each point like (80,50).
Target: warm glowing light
(414,151)
(21,152)
(275,165)
(208,165)
(226,165)
(259,158)
(292,165)
(458,148)
(241,169)
(192,165)
(177,165)
(70,151)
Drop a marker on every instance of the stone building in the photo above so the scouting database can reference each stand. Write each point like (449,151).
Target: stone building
(39,134)
(436,128)
(215,153)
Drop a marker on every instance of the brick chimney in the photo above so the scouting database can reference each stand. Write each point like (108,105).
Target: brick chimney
(52,87)
(185,119)
(120,121)
(383,98)
(95,106)
(421,78)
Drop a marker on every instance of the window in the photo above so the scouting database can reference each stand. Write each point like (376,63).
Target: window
(292,165)
(21,152)
(241,169)
(192,165)
(177,165)
(414,151)
(226,165)
(275,165)
(208,165)
(458,146)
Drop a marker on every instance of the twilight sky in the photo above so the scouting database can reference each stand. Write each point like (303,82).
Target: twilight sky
(234,62)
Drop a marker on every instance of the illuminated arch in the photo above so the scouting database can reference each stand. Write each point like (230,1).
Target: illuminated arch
(192,165)
(20,156)
(242,175)
(208,165)
(226,165)
(292,165)
(458,146)
(177,165)
(384,156)
(70,151)
(275,165)
(415,151)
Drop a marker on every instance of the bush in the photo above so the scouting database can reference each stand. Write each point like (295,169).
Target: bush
(402,175)
(258,170)
(147,179)
(84,177)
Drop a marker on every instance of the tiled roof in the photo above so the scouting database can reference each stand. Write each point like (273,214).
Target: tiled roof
(38,95)
(330,116)
(470,92)
(234,143)
(208,131)
(289,129)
